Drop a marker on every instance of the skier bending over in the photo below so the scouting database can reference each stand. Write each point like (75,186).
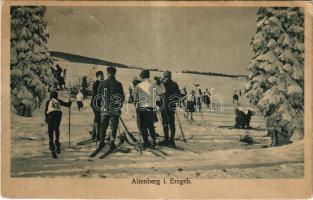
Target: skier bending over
(53,116)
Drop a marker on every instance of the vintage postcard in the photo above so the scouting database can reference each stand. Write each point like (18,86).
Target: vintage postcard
(156,100)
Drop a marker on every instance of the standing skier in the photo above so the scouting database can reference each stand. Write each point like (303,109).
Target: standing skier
(199,100)
(79,99)
(190,104)
(171,97)
(206,98)
(236,98)
(112,95)
(145,93)
(95,104)
(53,115)
(84,86)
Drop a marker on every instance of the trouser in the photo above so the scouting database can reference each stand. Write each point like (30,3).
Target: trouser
(146,118)
(97,123)
(168,122)
(107,120)
(54,120)
(80,105)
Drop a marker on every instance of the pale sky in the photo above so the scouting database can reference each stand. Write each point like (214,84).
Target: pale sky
(203,39)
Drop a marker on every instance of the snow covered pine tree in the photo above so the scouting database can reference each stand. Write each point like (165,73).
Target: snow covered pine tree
(30,60)
(276,81)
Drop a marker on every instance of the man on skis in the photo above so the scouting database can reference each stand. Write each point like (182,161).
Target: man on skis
(171,98)
(112,98)
(145,95)
(95,104)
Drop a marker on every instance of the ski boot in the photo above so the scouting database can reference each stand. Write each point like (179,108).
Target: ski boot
(172,143)
(164,142)
(112,146)
(52,149)
(58,145)
(153,145)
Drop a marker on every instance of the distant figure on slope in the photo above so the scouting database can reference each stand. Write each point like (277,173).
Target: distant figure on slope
(58,74)
(243,117)
(199,100)
(53,116)
(62,79)
(207,98)
(84,86)
(183,94)
(79,99)
(236,98)
(191,104)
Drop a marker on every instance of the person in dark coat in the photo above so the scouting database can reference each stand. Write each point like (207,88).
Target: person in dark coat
(199,100)
(171,98)
(58,76)
(53,116)
(113,97)
(206,98)
(84,86)
(236,98)
(95,104)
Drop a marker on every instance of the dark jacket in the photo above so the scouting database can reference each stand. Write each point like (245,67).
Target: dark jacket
(112,95)
(95,87)
(171,96)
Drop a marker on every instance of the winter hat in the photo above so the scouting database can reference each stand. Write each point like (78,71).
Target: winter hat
(54,94)
(167,74)
(145,73)
(111,70)
(99,73)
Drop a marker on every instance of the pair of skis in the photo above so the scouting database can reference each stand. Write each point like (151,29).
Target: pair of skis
(110,150)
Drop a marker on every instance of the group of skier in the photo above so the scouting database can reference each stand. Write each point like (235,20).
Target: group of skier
(149,96)
(108,98)
(60,75)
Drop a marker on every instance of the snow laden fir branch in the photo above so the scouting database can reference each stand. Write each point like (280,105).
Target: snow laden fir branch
(276,81)
(30,60)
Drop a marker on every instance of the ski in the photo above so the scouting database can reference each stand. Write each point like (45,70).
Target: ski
(155,153)
(250,128)
(110,151)
(158,151)
(96,151)
(178,148)
(178,138)
(54,154)
(87,141)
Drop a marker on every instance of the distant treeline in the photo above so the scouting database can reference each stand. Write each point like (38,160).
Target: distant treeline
(95,61)
(215,74)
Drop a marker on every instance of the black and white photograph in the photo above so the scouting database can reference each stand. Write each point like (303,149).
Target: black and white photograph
(157,94)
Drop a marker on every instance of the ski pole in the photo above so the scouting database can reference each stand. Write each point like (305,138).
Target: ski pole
(138,124)
(69,118)
(96,130)
(181,129)
(127,131)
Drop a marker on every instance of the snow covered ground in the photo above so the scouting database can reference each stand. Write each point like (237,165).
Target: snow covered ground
(212,151)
